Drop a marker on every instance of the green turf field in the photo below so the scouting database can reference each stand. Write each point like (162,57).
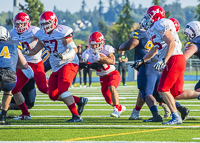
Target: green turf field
(48,120)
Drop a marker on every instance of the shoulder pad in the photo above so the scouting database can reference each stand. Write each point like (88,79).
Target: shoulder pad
(195,40)
(109,49)
(64,31)
(138,34)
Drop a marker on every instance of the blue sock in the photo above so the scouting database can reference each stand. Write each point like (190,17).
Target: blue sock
(178,104)
(154,110)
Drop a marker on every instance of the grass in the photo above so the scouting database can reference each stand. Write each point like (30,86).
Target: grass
(48,124)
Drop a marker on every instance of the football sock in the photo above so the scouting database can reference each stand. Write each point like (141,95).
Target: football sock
(76,99)
(198,97)
(24,109)
(154,110)
(73,109)
(178,104)
(137,108)
(119,107)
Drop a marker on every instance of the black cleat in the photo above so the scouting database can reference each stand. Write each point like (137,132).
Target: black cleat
(3,119)
(81,105)
(184,112)
(154,119)
(75,118)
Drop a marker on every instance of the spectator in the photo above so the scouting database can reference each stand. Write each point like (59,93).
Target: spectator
(79,53)
(122,58)
(87,71)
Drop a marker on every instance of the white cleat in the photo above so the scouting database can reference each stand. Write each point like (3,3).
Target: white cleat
(23,117)
(134,115)
(115,113)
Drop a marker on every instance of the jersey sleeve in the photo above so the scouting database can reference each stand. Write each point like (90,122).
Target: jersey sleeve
(138,34)
(109,49)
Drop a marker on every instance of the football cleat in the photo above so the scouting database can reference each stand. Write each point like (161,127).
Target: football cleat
(3,119)
(134,115)
(154,119)
(115,113)
(81,104)
(75,118)
(184,112)
(176,119)
(23,117)
(166,109)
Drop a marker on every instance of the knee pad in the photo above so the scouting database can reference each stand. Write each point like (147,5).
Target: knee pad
(65,94)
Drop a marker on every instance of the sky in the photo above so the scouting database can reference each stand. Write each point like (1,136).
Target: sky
(75,5)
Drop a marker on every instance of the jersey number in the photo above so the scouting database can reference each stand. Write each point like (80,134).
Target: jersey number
(157,45)
(5,52)
(148,45)
(55,42)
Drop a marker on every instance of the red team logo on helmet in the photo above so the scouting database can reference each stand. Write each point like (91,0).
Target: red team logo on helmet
(153,14)
(48,21)
(96,38)
(176,23)
(21,17)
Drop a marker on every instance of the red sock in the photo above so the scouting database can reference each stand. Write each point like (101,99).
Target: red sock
(24,109)
(73,109)
(137,108)
(76,99)
(119,107)
(160,103)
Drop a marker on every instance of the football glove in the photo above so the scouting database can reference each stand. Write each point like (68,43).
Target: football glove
(58,55)
(137,64)
(86,58)
(25,51)
(160,64)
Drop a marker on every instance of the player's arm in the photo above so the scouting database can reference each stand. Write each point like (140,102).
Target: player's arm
(120,59)
(22,63)
(108,60)
(169,40)
(129,45)
(35,50)
(191,50)
(150,54)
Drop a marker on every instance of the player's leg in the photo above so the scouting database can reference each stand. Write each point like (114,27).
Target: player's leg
(90,77)
(136,111)
(40,76)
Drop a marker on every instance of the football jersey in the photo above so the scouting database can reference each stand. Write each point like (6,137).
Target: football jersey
(106,68)
(8,55)
(53,42)
(156,33)
(45,59)
(27,39)
(195,41)
(144,45)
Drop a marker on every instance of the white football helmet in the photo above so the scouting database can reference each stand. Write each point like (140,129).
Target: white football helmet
(4,34)
(192,30)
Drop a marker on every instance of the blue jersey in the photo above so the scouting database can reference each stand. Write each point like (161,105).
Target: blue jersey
(144,45)
(45,59)
(195,41)
(9,55)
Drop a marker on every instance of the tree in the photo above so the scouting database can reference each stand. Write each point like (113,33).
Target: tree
(197,11)
(34,8)
(155,2)
(100,8)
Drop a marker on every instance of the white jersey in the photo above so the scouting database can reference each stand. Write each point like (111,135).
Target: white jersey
(156,33)
(53,42)
(106,68)
(27,39)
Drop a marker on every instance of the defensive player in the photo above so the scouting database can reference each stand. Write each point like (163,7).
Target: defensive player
(11,59)
(163,32)
(109,76)
(192,46)
(63,59)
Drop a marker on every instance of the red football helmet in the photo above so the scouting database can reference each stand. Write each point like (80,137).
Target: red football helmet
(21,17)
(153,14)
(48,21)
(176,23)
(96,38)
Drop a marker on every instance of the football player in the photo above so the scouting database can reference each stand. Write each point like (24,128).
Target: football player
(192,46)
(25,33)
(63,60)
(12,59)
(151,77)
(110,78)
(167,44)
